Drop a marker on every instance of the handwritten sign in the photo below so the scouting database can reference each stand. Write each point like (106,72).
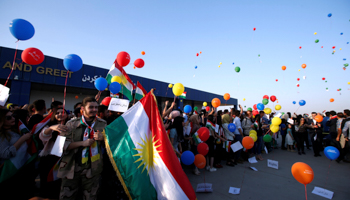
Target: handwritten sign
(236,146)
(57,148)
(291,121)
(204,187)
(118,105)
(323,192)
(272,163)
(234,190)
(252,160)
(4,94)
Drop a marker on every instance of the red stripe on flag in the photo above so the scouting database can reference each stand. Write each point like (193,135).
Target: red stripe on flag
(166,153)
(141,88)
(124,73)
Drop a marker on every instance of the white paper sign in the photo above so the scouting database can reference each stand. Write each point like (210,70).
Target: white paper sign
(4,94)
(204,187)
(252,160)
(253,168)
(57,148)
(267,152)
(323,192)
(118,105)
(234,190)
(278,114)
(236,146)
(272,163)
(216,128)
(188,130)
(291,121)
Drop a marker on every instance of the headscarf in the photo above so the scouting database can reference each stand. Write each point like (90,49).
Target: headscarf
(225,119)
(194,119)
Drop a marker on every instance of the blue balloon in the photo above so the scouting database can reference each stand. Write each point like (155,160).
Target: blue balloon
(330,15)
(341,33)
(187,158)
(195,67)
(260,106)
(115,87)
(233,63)
(302,102)
(331,153)
(347,43)
(21,29)
(72,62)
(231,127)
(101,84)
(294,102)
(187,109)
(344,58)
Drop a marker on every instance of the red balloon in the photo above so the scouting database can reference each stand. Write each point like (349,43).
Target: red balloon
(298,85)
(203,133)
(300,47)
(254,29)
(321,46)
(298,79)
(255,112)
(265,97)
(106,101)
(32,56)
(139,63)
(276,80)
(203,148)
(123,58)
(197,54)
(207,108)
(254,106)
(323,78)
(273,98)
(333,47)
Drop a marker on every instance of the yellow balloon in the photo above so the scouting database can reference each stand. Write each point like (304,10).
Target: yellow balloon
(315,33)
(116,79)
(124,81)
(267,110)
(274,128)
(339,48)
(253,132)
(178,89)
(219,66)
(205,104)
(276,121)
(220,63)
(348,83)
(243,99)
(254,137)
(170,85)
(278,107)
(298,70)
(333,51)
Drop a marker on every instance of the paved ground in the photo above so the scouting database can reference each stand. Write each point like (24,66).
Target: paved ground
(269,183)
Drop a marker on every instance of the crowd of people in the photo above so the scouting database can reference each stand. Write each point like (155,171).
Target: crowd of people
(84,169)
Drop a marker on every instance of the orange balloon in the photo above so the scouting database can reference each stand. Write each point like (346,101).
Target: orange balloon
(134,67)
(303,66)
(215,102)
(319,118)
(76,97)
(302,173)
(284,67)
(199,161)
(248,142)
(227,96)
(331,100)
(143,53)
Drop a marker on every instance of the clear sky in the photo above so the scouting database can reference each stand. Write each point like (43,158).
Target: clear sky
(172,32)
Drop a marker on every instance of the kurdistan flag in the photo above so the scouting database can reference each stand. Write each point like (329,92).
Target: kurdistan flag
(140,91)
(183,95)
(142,155)
(126,83)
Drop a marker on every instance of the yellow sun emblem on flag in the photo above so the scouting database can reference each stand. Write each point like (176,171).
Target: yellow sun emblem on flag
(147,153)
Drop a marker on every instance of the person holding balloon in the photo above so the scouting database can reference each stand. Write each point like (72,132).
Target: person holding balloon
(230,137)
(211,144)
(238,135)
(300,134)
(176,134)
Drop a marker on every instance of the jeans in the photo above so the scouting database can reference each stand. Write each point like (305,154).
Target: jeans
(283,146)
(238,153)
(258,145)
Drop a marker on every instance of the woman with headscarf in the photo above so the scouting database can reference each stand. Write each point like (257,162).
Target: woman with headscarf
(219,150)
(230,137)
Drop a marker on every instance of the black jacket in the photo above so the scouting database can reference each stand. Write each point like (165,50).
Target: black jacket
(332,127)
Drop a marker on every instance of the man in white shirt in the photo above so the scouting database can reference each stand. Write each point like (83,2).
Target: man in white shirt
(238,135)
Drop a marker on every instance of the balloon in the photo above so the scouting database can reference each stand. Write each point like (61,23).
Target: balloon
(319,118)
(76,97)
(203,133)
(344,59)
(298,85)
(329,15)
(106,101)
(260,106)
(340,48)
(32,56)
(254,137)
(284,67)
(331,100)
(178,89)
(258,55)
(273,98)
(331,153)
(323,78)
(231,127)
(346,65)
(237,69)
(139,63)
(244,98)
(226,96)
(321,46)
(303,66)
(265,97)
(72,62)
(253,132)
(302,102)
(255,112)
(265,101)
(276,121)
(170,85)
(298,79)
(187,157)
(294,102)
(205,104)
(348,83)
(315,33)
(267,110)
(195,67)
(274,128)
(300,47)
(195,108)
(250,109)
(207,108)
(101,84)
(248,142)
(278,107)
(233,63)
(200,52)
(21,29)
(123,58)
(200,161)
(197,54)
(302,173)
(267,138)
(220,63)
(219,66)
(276,80)
(115,87)
(203,148)
(116,79)
(143,53)
(187,109)
(215,102)
(254,29)
(254,106)
(333,47)
(316,41)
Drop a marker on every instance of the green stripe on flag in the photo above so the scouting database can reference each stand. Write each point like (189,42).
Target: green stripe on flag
(138,96)
(126,92)
(109,79)
(122,150)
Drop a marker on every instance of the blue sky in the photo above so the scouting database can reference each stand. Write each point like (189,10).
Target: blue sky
(172,32)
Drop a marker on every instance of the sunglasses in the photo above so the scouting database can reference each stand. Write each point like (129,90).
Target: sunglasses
(9,117)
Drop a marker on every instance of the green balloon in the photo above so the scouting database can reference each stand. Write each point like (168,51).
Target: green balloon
(326,88)
(316,41)
(237,69)
(250,109)
(265,101)
(346,64)
(259,55)
(196,108)
(267,138)
(326,81)
(339,89)
(244,106)
(282,113)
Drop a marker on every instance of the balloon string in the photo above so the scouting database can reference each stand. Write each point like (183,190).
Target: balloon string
(297,109)
(166,91)
(329,166)
(305,193)
(13,64)
(64,96)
